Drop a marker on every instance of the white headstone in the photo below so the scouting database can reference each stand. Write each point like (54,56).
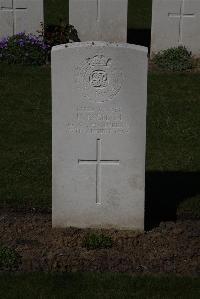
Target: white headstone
(99,126)
(99,20)
(19,16)
(174,23)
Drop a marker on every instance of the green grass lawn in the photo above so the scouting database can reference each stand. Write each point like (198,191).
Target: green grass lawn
(25,135)
(25,154)
(173,122)
(139,12)
(86,286)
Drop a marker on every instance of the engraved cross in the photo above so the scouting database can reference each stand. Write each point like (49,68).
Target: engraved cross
(12,9)
(181,15)
(98,162)
(98,10)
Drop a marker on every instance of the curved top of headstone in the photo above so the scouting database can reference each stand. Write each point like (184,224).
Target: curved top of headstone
(100,68)
(100,44)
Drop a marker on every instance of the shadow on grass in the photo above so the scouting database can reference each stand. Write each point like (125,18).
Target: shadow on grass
(96,285)
(164,191)
(140,37)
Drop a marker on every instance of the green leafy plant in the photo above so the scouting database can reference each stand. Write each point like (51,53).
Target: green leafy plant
(9,258)
(59,34)
(174,59)
(24,49)
(97,241)
(189,208)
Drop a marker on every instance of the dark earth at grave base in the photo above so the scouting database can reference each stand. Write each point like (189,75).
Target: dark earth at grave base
(170,248)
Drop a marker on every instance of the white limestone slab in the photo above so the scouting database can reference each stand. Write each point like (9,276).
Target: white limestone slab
(174,23)
(99,126)
(19,16)
(99,20)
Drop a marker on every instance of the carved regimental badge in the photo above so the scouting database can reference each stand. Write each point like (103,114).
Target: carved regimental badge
(98,80)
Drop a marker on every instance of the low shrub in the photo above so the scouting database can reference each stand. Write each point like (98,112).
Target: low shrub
(59,34)
(189,208)
(174,59)
(9,258)
(24,49)
(97,241)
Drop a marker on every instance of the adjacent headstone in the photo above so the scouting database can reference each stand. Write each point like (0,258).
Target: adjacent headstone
(99,126)
(174,23)
(99,20)
(19,16)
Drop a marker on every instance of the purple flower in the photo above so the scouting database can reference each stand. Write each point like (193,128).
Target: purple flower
(20,42)
(21,33)
(44,47)
(4,42)
(17,47)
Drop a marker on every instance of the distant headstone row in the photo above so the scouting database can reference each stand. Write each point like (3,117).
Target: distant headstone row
(174,22)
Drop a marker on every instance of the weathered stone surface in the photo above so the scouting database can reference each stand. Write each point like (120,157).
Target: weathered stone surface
(99,134)
(20,15)
(99,20)
(174,23)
